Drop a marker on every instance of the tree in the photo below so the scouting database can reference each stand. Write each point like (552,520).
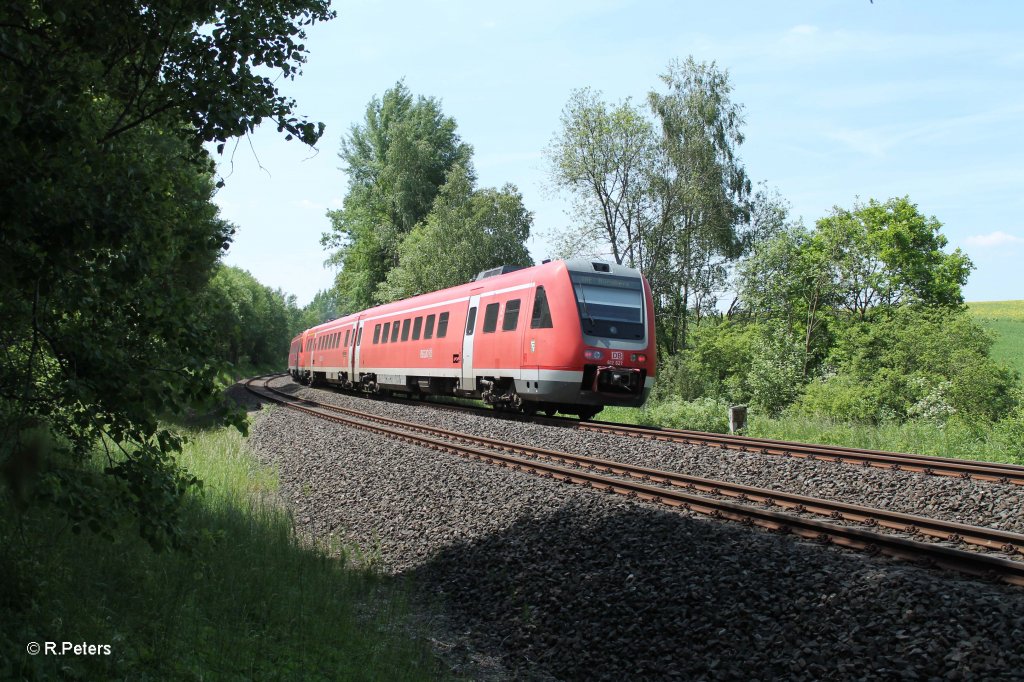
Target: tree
(789,280)
(251,323)
(919,361)
(324,306)
(109,235)
(702,190)
(466,231)
(602,157)
(673,204)
(889,253)
(396,160)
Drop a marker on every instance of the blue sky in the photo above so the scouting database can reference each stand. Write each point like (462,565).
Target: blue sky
(842,99)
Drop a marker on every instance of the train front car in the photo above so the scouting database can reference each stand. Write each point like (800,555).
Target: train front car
(600,349)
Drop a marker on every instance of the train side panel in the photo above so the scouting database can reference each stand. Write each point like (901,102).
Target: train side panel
(553,336)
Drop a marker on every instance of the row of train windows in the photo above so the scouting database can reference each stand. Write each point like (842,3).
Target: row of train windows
(331,340)
(540,319)
(391,331)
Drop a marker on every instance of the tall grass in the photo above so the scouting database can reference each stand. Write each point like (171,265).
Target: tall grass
(984,442)
(249,602)
(981,441)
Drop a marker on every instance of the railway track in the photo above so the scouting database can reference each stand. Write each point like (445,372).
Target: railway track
(847,525)
(993,472)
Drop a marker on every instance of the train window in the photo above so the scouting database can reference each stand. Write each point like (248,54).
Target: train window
(347,333)
(470,322)
(405,329)
(394,332)
(511,319)
(384,334)
(337,338)
(376,333)
(429,331)
(359,336)
(541,318)
(491,317)
(417,325)
(442,324)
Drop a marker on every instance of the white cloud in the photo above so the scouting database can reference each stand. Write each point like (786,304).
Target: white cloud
(993,239)
(804,29)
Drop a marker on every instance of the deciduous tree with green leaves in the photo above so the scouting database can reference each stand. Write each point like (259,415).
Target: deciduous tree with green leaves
(397,159)
(703,191)
(666,194)
(886,254)
(108,236)
(466,231)
(603,157)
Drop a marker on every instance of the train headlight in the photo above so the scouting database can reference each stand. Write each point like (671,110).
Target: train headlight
(638,357)
(592,355)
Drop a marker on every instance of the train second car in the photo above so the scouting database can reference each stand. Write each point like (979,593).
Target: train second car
(569,336)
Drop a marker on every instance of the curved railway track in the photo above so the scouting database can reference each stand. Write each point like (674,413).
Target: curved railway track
(994,472)
(848,525)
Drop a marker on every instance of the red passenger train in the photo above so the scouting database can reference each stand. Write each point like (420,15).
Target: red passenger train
(568,336)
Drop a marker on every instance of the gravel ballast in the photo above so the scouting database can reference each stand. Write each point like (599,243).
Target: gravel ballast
(557,581)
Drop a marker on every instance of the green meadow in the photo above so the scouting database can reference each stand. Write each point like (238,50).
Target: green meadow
(1005,321)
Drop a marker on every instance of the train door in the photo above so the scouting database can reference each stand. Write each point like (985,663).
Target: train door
(530,371)
(310,343)
(468,380)
(357,334)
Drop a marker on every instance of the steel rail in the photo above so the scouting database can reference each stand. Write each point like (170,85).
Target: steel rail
(944,466)
(993,472)
(964,561)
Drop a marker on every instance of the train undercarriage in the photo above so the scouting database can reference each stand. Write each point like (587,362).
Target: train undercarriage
(599,386)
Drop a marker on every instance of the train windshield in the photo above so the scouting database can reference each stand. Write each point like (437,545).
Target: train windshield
(609,306)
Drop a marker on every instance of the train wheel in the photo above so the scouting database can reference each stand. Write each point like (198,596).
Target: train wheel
(587,415)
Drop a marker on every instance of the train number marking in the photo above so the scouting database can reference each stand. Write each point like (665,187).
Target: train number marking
(616,358)
(426,353)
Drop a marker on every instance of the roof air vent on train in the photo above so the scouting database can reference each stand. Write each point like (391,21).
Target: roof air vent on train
(601,267)
(504,269)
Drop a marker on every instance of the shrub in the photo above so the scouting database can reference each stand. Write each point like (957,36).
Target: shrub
(702,414)
(840,398)
(775,374)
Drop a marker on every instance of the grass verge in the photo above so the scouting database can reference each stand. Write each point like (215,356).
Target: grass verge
(249,602)
(980,441)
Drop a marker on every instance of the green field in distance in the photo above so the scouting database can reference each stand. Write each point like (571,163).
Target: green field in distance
(1005,320)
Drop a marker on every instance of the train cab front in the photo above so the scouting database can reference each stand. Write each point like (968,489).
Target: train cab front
(614,305)
(614,342)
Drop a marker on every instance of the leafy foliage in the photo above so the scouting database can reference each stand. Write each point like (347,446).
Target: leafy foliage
(675,205)
(703,414)
(396,161)
(914,361)
(109,236)
(249,322)
(466,231)
(888,254)
(603,156)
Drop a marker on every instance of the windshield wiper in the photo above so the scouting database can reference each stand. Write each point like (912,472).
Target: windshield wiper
(586,308)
